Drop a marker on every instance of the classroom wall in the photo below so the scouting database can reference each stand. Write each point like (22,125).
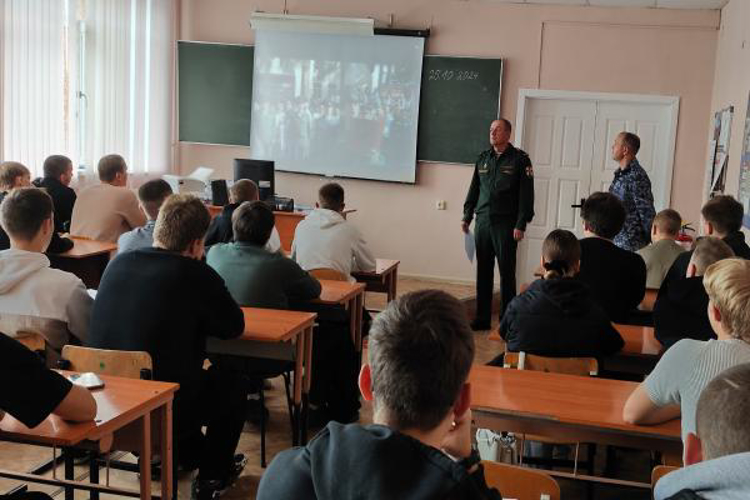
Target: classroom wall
(732,80)
(644,51)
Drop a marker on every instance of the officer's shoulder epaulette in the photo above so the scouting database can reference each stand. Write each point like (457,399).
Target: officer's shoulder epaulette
(522,152)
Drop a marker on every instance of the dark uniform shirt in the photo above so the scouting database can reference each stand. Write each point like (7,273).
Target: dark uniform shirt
(502,186)
(633,187)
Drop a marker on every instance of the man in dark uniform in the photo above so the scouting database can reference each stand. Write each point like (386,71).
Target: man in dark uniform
(502,196)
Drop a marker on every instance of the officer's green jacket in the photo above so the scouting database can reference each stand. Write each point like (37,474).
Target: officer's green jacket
(502,186)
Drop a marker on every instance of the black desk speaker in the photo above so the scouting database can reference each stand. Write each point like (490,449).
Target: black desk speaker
(219,193)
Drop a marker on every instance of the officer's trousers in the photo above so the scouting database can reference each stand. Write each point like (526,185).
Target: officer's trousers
(494,240)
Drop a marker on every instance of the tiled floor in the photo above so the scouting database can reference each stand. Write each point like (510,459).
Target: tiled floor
(22,458)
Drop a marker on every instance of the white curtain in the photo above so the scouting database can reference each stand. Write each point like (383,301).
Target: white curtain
(34,101)
(87,78)
(128,82)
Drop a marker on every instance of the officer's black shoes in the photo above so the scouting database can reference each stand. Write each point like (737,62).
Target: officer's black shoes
(212,489)
(478,325)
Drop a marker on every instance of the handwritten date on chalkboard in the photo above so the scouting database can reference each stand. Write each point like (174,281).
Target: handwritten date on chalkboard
(450,75)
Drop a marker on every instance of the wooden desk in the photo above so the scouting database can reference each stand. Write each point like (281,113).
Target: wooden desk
(286,223)
(383,279)
(265,329)
(352,297)
(87,260)
(585,409)
(127,412)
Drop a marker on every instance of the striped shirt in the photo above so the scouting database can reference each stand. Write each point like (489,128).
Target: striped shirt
(686,368)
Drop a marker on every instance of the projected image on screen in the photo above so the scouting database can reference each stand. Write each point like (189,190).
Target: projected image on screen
(337,105)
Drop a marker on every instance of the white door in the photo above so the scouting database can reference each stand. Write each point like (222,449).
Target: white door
(568,136)
(558,135)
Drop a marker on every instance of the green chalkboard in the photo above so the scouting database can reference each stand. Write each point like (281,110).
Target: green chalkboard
(460,96)
(216,92)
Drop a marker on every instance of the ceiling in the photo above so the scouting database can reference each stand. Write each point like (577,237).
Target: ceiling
(660,4)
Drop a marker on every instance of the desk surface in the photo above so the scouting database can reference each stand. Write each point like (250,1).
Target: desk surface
(83,248)
(121,401)
(639,340)
(588,402)
(338,292)
(273,325)
(382,266)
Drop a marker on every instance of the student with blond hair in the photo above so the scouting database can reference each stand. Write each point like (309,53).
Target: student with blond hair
(664,249)
(556,315)
(673,388)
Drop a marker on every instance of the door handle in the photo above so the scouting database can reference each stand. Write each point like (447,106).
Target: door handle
(583,200)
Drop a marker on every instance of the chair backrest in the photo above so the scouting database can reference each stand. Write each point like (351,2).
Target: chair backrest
(659,472)
(32,340)
(520,482)
(328,274)
(568,366)
(128,364)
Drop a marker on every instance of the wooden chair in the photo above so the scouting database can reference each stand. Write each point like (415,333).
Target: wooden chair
(33,341)
(569,366)
(520,482)
(659,472)
(328,274)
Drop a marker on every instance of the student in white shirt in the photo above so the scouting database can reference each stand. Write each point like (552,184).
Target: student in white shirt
(33,296)
(325,240)
(104,211)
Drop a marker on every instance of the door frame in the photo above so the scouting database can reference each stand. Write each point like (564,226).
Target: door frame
(673,103)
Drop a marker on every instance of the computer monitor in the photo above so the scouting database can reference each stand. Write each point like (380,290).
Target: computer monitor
(260,171)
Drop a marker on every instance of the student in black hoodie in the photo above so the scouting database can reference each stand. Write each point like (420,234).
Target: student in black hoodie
(58,172)
(680,307)
(616,277)
(14,175)
(722,218)
(419,446)
(556,316)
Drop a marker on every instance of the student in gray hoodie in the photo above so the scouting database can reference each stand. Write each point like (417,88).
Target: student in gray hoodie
(717,455)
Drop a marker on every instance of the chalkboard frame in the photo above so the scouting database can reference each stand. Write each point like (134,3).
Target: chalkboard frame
(499,99)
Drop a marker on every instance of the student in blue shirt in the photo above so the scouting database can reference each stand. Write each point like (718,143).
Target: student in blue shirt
(150,198)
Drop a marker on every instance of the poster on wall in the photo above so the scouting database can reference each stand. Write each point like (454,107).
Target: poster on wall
(719,154)
(744,191)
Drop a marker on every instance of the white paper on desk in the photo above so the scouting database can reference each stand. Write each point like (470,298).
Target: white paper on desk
(469,246)
(92,293)
(202,174)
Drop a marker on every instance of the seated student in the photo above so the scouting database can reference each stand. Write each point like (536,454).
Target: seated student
(680,307)
(58,172)
(616,277)
(672,389)
(419,446)
(254,276)
(717,454)
(33,296)
(104,211)
(220,230)
(722,218)
(166,301)
(660,255)
(14,175)
(556,315)
(151,195)
(325,240)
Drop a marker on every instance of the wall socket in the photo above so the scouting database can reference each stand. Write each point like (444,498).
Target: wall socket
(440,205)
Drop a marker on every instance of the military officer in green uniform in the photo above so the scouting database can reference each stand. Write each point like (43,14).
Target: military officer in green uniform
(502,197)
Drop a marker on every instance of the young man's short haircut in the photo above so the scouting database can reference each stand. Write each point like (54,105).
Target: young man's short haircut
(632,141)
(243,190)
(707,251)
(9,172)
(109,166)
(721,417)
(56,165)
(724,213)
(727,284)
(331,196)
(152,194)
(668,221)
(252,222)
(24,210)
(604,213)
(420,354)
(182,219)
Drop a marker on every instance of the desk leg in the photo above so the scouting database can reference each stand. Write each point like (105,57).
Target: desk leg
(145,458)
(308,336)
(69,472)
(167,472)
(297,395)
(392,285)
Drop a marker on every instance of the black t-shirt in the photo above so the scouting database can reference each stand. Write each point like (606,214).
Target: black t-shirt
(30,391)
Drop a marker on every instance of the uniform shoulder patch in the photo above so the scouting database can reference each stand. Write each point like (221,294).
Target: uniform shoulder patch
(529,171)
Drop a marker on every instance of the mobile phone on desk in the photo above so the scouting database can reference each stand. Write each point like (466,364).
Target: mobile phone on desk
(89,380)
